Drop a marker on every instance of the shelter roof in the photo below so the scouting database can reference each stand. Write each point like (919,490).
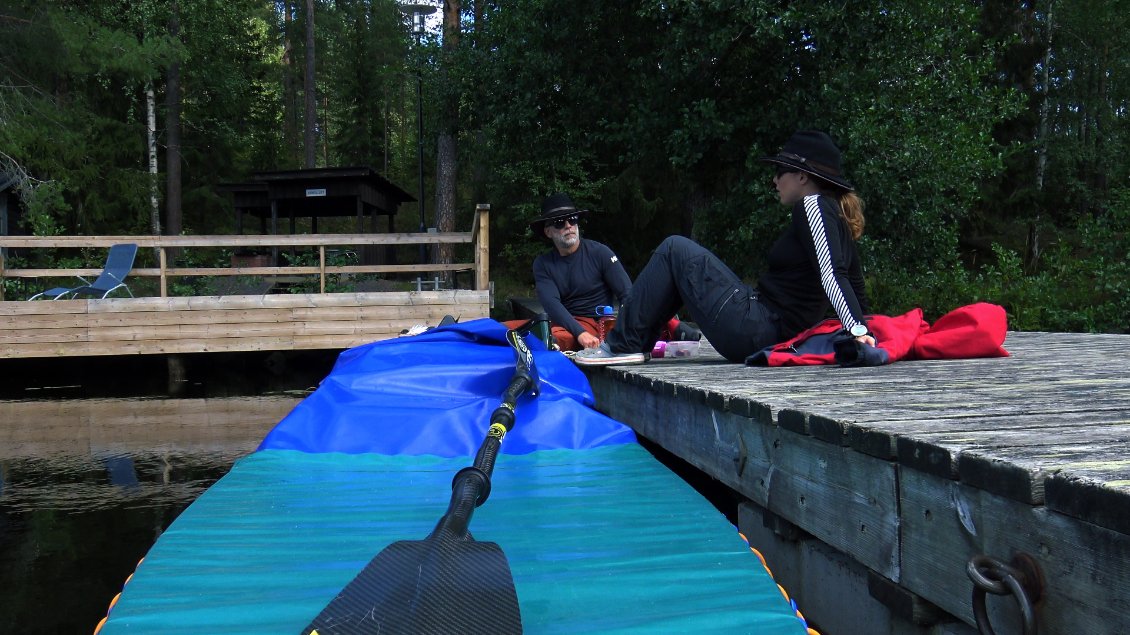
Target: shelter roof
(318,192)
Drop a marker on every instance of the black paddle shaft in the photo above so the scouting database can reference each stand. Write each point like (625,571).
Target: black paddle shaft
(449,583)
(471,486)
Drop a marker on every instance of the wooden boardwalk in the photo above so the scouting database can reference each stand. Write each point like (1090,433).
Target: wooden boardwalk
(898,475)
(224,324)
(171,325)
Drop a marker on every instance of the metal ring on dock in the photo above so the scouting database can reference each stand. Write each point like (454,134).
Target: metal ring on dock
(1022,580)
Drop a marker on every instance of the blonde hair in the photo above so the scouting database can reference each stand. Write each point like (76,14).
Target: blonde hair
(851,206)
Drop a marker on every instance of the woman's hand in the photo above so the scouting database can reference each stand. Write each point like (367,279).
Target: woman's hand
(866,339)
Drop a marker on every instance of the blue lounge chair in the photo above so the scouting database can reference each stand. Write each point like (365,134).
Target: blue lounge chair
(119,262)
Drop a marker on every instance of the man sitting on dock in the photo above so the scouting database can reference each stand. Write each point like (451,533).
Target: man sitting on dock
(579,275)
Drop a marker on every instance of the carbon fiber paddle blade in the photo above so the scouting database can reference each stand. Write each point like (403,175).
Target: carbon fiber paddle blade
(427,587)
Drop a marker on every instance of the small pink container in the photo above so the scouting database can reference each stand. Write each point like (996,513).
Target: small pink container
(674,349)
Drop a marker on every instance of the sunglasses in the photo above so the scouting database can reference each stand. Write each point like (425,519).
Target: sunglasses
(782,170)
(572,220)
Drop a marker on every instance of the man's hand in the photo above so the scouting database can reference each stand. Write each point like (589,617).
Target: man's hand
(588,340)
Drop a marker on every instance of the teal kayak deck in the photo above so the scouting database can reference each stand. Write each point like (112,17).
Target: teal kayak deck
(604,540)
(600,537)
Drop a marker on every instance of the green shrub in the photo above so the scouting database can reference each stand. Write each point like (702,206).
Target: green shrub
(1082,284)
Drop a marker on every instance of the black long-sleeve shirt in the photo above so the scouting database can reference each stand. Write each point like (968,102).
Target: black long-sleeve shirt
(576,284)
(814,265)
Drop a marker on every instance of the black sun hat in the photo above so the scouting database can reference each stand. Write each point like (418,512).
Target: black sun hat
(813,152)
(555,206)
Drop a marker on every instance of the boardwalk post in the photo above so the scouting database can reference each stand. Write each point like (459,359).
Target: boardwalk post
(481,241)
(322,268)
(163,263)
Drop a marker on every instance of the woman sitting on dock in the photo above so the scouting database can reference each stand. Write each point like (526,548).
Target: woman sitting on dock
(814,264)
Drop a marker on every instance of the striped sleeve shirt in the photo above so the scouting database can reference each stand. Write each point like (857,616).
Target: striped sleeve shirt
(814,266)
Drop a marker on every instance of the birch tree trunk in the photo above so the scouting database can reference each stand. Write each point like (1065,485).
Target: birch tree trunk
(1042,142)
(1032,258)
(151,137)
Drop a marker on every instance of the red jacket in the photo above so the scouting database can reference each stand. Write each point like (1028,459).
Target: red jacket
(976,330)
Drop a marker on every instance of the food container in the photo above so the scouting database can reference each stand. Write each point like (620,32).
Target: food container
(675,349)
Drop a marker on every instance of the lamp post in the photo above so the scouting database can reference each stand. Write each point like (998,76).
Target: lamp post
(417,13)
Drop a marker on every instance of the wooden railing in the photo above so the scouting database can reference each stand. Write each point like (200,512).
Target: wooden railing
(478,237)
(239,322)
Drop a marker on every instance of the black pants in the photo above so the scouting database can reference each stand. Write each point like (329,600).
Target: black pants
(682,273)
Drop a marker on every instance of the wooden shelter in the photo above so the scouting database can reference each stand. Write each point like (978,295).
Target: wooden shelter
(319,193)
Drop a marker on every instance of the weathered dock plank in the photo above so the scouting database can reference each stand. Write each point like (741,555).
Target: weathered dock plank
(203,324)
(1086,568)
(912,468)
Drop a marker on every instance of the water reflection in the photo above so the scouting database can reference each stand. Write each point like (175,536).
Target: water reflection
(86,486)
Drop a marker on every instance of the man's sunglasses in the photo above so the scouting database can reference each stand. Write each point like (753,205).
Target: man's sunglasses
(572,220)
(782,170)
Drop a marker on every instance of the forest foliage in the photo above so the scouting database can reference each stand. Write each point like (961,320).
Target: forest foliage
(987,138)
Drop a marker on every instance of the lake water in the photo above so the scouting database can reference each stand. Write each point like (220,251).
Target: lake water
(87,485)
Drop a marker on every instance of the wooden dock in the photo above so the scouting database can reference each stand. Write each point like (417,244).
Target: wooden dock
(222,324)
(173,325)
(869,490)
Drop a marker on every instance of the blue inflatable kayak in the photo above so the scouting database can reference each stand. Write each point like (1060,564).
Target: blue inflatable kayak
(599,536)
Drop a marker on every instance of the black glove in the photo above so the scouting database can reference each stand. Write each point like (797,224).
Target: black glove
(851,352)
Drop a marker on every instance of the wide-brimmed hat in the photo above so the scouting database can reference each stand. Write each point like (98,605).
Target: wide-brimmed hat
(555,206)
(813,152)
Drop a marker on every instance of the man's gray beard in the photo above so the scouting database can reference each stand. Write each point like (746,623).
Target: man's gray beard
(562,242)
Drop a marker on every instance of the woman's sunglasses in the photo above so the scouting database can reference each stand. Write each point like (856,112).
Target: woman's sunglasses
(782,170)
(572,220)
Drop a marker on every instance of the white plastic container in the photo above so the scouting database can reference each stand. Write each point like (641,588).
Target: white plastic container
(674,349)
